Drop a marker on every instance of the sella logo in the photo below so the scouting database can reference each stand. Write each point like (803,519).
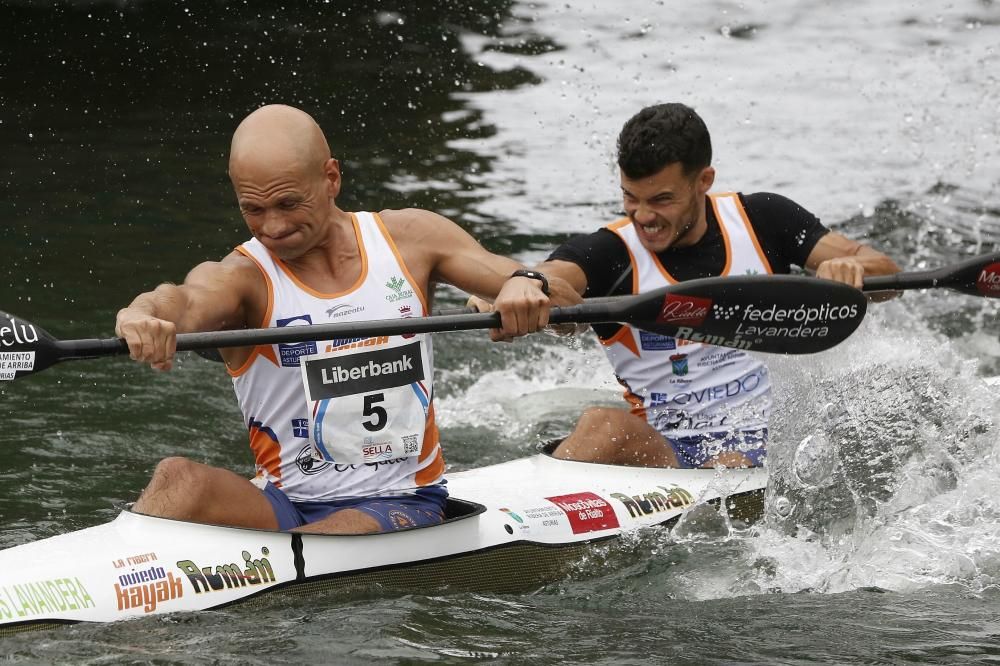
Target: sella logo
(684,310)
(988,282)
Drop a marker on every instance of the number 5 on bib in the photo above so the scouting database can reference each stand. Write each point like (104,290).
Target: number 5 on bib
(367,406)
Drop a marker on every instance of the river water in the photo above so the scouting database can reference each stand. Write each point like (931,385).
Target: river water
(880,543)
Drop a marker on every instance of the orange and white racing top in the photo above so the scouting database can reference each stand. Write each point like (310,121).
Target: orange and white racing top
(346,417)
(687,388)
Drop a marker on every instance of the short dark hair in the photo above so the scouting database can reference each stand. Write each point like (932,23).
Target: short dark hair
(660,135)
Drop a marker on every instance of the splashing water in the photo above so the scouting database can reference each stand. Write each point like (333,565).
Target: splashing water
(883,472)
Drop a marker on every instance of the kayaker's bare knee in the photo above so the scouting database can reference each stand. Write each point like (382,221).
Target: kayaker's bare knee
(177,475)
(187,490)
(616,437)
(174,490)
(590,440)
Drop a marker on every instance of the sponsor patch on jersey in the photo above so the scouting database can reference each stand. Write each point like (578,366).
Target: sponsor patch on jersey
(308,463)
(679,364)
(289,353)
(364,372)
(654,342)
(404,312)
(344,309)
(341,344)
(300,428)
(400,289)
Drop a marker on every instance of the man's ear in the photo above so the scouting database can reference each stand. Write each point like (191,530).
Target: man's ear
(332,171)
(706,179)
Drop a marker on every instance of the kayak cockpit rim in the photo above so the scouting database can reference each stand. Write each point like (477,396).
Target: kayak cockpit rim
(455,509)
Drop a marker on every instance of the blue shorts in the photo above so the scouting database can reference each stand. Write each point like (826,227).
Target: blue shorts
(393,512)
(696,450)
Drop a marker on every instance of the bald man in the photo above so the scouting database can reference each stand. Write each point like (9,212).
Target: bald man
(362,456)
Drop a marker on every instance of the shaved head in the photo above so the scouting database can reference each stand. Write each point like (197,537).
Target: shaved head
(278,137)
(286,182)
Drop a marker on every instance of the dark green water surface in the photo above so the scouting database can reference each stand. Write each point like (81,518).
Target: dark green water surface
(881,543)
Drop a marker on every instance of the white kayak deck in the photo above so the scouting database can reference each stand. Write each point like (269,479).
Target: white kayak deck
(511,526)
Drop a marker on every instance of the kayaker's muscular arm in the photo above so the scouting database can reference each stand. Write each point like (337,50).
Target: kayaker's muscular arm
(450,254)
(567,283)
(836,257)
(567,272)
(214,296)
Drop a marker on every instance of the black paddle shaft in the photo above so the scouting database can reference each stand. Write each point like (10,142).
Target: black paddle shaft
(780,314)
(978,276)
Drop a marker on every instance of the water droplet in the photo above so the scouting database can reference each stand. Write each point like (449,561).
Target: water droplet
(815,461)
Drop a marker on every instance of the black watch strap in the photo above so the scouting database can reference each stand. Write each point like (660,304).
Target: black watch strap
(534,275)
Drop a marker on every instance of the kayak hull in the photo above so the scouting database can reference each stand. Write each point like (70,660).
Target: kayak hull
(511,527)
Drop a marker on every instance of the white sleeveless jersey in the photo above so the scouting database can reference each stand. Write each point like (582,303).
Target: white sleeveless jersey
(272,395)
(686,388)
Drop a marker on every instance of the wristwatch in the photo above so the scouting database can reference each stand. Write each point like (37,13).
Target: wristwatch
(534,275)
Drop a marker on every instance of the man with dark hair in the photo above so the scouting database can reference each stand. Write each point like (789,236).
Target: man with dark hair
(662,134)
(692,404)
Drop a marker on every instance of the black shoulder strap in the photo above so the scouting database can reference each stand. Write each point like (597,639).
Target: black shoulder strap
(627,273)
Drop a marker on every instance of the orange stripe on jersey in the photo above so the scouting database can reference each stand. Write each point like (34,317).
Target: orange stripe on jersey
(318,294)
(402,264)
(432,472)
(663,271)
(265,350)
(431,435)
(623,337)
(637,406)
(752,234)
(621,224)
(725,234)
(430,446)
(266,451)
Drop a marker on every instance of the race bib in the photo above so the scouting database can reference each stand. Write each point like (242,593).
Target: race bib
(366,406)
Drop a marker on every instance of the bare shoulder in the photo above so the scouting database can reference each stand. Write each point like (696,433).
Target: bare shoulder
(234,270)
(234,289)
(435,248)
(425,235)
(406,222)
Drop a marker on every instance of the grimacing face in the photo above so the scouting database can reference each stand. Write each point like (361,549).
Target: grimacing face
(668,207)
(284,208)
